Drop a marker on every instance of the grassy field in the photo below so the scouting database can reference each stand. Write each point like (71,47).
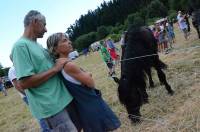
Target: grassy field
(164,113)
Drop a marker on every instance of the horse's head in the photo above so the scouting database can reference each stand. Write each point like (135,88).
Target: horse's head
(123,88)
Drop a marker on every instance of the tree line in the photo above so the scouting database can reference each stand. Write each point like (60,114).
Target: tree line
(113,17)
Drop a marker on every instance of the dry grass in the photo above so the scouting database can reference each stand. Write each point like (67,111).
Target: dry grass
(164,113)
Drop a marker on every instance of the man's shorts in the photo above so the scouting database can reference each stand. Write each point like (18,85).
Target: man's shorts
(67,120)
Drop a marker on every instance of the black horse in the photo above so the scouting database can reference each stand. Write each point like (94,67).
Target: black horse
(139,55)
(147,70)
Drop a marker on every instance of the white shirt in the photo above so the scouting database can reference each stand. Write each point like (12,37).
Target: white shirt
(182,23)
(12,76)
(178,16)
(73,55)
(162,27)
(122,40)
(69,78)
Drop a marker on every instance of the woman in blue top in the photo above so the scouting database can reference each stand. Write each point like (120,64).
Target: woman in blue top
(95,114)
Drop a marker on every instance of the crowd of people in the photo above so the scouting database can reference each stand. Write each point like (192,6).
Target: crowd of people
(164,31)
(165,36)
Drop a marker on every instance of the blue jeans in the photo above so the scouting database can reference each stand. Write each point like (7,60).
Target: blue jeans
(2,89)
(43,125)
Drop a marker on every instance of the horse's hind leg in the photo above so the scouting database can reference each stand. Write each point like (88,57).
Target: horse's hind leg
(162,78)
(148,72)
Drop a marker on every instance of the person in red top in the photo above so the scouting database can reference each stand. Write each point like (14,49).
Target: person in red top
(112,50)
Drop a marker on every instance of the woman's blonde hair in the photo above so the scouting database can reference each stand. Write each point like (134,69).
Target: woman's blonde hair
(52,42)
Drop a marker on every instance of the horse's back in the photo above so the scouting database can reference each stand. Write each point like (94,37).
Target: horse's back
(141,41)
(141,47)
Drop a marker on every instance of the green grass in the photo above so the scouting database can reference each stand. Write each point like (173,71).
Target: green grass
(164,113)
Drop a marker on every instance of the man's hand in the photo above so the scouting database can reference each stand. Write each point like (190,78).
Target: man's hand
(60,63)
(35,80)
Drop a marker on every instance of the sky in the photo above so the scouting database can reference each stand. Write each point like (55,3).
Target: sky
(59,15)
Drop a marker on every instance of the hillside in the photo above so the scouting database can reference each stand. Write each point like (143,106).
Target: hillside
(164,113)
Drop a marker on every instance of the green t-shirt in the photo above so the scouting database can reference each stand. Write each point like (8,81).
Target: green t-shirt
(104,54)
(50,97)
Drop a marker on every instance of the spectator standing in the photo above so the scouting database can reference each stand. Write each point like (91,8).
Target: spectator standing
(112,50)
(37,74)
(170,34)
(161,40)
(123,43)
(178,17)
(179,14)
(12,77)
(2,88)
(183,26)
(187,22)
(85,51)
(95,114)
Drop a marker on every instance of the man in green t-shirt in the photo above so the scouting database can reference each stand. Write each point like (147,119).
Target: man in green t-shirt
(37,74)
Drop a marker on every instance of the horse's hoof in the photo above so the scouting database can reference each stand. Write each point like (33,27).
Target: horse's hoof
(135,118)
(171,92)
(136,121)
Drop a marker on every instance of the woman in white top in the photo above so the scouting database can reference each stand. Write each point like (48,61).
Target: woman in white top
(81,85)
(60,46)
